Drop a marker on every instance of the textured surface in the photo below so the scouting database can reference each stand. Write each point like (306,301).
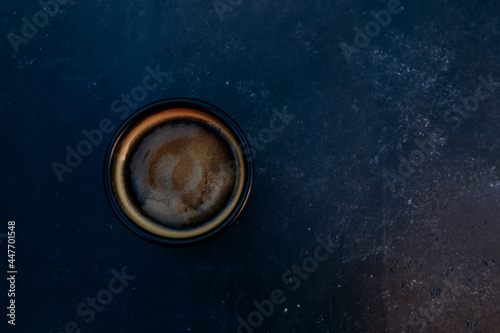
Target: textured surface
(414,247)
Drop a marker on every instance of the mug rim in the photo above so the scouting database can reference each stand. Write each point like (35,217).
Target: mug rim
(163,105)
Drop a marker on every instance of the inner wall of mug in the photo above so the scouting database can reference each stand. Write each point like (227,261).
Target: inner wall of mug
(120,173)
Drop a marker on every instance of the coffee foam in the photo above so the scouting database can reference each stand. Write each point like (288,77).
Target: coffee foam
(182,174)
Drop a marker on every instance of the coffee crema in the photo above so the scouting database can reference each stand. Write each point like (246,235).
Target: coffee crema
(182,174)
(178,173)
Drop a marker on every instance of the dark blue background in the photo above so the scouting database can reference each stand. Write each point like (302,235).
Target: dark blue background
(321,177)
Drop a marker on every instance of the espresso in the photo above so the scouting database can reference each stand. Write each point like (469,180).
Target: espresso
(183,173)
(178,173)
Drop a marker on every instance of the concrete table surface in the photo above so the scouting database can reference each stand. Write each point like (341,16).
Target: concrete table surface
(375,203)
